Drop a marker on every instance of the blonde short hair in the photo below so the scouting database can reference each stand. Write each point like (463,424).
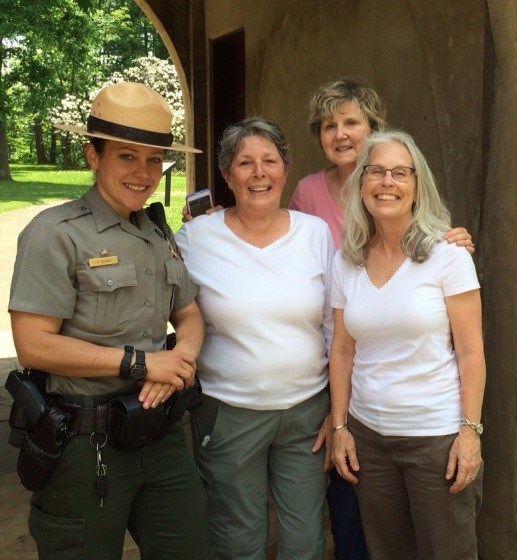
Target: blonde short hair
(330,96)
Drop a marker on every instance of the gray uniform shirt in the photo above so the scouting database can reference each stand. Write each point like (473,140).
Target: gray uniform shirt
(128,302)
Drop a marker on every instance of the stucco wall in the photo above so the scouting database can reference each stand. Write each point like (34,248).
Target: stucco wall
(424,58)
(498,263)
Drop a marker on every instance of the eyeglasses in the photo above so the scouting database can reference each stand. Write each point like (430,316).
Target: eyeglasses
(400,174)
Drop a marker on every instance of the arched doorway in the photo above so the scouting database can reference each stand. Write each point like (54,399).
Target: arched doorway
(187,103)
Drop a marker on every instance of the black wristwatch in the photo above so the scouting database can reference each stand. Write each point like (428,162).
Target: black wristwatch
(125,364)
(138,371)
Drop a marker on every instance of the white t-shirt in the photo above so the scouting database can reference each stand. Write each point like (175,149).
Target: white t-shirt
(405,378)
(264,310)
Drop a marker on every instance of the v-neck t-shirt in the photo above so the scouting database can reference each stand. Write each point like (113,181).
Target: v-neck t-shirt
(266,311)
(405,378)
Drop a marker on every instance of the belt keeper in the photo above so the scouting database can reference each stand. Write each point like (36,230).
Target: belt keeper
(100,419)
(76,413)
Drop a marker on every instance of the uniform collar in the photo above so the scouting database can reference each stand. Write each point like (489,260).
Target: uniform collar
(105,217)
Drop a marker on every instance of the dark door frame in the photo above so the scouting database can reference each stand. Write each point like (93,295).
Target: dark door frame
(228,100)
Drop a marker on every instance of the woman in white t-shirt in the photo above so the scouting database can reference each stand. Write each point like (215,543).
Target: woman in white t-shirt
(406,400)
(263,276)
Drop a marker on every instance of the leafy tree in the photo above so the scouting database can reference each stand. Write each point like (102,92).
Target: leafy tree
(10,28)
(60,49)
(49,53)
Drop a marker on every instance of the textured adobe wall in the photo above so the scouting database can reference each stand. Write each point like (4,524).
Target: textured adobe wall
(498,263)
(424,58)
(174,30)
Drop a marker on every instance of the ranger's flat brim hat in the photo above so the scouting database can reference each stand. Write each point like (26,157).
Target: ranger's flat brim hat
(130,112)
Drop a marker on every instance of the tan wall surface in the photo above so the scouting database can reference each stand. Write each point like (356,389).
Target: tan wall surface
(447,71)
(424,58)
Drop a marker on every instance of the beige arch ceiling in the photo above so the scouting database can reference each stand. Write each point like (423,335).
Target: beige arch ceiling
(189,117)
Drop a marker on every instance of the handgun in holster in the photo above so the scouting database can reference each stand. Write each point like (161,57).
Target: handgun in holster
(29,408)
(39,431)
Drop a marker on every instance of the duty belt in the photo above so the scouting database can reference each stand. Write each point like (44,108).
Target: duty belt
(85,420)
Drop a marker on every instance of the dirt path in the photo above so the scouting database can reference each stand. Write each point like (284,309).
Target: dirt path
(11,224)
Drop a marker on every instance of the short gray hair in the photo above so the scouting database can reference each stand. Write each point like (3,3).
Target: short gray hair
(331,96)
(251,126)
(430,216)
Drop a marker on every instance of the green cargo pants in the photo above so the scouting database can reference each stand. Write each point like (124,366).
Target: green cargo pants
(240,452)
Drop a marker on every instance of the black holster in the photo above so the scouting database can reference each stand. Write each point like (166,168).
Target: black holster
(38,431)
(130,426)
(41,450)
(29,408)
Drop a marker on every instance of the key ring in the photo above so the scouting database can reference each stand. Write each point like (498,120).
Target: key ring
(98,445)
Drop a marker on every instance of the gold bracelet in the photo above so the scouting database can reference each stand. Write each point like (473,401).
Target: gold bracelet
(340,427)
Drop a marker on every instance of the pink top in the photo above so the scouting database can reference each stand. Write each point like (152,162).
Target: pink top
(312,196)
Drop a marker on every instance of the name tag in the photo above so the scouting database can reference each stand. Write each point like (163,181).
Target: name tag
(103,261)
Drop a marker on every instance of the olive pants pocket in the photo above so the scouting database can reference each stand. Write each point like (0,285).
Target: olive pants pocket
(57,538)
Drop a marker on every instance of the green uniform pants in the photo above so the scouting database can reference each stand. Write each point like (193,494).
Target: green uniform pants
(154,492)
(240,452)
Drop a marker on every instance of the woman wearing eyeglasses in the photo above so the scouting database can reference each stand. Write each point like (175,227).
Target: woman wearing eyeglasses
(343,114)
(407,370)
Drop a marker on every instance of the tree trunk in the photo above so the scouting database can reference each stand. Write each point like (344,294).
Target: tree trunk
(53,148)
(66,152)
(40,146)
(5,174)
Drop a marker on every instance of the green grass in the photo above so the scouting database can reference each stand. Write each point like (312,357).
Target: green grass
(42,184)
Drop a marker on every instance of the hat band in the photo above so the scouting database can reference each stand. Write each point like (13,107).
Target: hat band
(95,124)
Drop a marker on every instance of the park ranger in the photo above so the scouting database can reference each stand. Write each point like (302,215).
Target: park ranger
(95,284)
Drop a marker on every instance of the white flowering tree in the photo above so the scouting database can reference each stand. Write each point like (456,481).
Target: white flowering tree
(154,72)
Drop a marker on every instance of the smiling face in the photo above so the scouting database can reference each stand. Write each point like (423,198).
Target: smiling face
(126,174)
(387,198)
(342,134)
(257,175)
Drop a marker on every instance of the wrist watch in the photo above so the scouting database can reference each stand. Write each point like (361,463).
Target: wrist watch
(138,371)
(125,364)
(478,428)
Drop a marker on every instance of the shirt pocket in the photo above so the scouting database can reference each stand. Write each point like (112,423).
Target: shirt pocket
(173,276)
(104,298)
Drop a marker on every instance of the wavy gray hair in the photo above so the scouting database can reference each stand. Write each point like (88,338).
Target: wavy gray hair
(252,126)
(430,217)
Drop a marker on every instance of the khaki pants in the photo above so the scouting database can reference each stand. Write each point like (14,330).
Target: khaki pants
(406,508)
(239,452)
(154,492)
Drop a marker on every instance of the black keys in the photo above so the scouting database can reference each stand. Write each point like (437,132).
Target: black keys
(101,482)
(101,486)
